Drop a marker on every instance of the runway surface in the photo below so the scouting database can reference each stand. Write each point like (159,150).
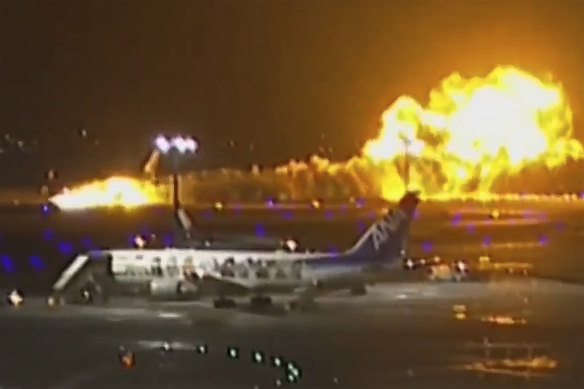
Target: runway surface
(505,334)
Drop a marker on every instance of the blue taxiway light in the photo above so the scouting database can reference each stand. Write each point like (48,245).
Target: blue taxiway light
(456,218)
(427,246)
(168,240)
(87,243)
(48,235)
(36,262)
(259,230)
(333,249)
(66,248)
(7,264)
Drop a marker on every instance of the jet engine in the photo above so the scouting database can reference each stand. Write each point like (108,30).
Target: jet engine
(172,289)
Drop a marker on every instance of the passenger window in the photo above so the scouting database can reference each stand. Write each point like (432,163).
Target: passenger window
(297,270)
(280,273)
(227,272)
(262,272)
(156,271)
(243,271)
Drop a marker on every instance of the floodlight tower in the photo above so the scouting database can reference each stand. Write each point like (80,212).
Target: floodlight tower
(176,147)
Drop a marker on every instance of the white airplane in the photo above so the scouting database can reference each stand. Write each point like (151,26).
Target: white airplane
(169,273)
(190,272)
(161,273)
(381,248)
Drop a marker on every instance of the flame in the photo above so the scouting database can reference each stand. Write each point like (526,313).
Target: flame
(476,130)
(472,134)
(503,320)
(115,191)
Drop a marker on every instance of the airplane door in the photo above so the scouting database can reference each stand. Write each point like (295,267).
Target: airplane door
(156,267)
(172,267)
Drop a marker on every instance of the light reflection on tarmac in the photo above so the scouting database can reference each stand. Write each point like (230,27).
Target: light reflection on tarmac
(509,333)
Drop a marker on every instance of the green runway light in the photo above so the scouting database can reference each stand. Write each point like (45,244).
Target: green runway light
(257,357)
(202,349)
(291,378)
(233,352)
(293,369)
(277,361)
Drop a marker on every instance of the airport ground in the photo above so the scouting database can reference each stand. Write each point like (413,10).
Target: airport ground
(515,332)
(512,334)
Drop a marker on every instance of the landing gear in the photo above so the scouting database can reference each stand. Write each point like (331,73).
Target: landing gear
(359,290)
(223,303)
(91,293)
(261,301)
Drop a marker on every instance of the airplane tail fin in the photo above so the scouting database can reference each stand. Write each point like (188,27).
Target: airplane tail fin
(387,238)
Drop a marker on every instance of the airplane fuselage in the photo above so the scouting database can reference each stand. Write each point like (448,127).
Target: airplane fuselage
(140,267)
(256,271)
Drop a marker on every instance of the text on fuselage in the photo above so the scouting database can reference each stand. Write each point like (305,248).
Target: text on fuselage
(389,224)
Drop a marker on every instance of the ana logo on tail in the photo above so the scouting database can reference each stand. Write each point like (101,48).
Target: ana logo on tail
(390,223)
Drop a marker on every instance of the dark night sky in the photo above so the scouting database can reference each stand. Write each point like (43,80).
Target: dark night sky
(277,74)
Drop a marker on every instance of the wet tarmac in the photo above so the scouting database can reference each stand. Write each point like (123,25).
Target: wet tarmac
(505,334)
(513,333)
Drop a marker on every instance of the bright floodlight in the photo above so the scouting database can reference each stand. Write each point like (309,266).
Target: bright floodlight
(181,144)
(162,144)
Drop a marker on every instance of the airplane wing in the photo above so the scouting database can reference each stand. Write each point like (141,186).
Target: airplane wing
(222,285)
(226,285)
